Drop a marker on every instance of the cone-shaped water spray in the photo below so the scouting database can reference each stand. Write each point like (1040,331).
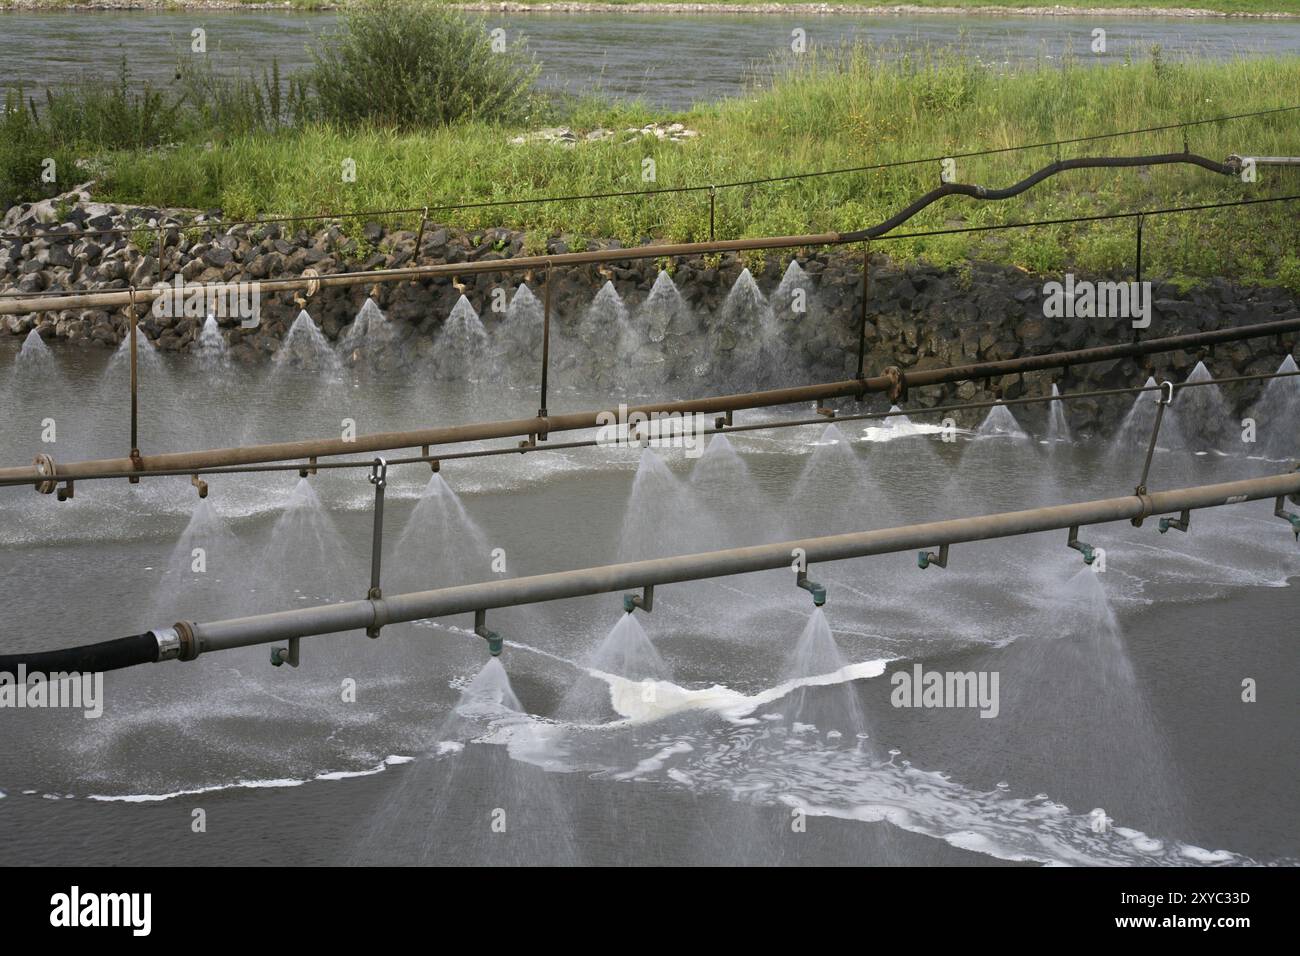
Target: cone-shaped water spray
(210,347)
(1277,415)
(440,545)
(305,347)
(1000,423)
(626,651)
(462,348)
(834,708)
(1202,417)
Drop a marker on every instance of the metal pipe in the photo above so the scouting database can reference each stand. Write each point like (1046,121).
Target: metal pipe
(510,592)
(100,300)
(190,462)
(546,342)
(862,319)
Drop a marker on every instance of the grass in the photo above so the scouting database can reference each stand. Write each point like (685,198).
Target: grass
(1223,6)
(853,107)
(849,109)
(1220,6)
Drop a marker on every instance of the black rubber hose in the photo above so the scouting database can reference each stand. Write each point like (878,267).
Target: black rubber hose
(981,192)
(87,659)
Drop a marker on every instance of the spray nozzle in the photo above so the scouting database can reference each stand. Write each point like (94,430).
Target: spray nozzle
(1087,550)
(818,591)
(1181,523)
(495,641)
(645,600)
(925,559)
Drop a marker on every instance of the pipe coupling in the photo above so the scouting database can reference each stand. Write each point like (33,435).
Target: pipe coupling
(45,466)
(897,390)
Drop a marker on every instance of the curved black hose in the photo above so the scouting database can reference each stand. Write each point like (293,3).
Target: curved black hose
(87,659)
(981,192)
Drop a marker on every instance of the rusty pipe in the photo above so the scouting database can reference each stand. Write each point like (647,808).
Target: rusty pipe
(523,427)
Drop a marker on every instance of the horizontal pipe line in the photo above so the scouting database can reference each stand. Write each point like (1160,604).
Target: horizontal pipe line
(189,462)
(725,430)
(420,605)
(73,296)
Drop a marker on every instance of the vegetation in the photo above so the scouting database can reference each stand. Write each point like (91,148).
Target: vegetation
(415,63)
(242,149)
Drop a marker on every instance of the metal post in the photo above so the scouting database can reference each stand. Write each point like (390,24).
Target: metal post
(546,344)
(135,401)
(419,235)
(1139,249)
(713,192)
(1167,396)
(862,319)
(378,478)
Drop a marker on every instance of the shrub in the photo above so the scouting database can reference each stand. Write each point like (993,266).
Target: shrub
(412,63)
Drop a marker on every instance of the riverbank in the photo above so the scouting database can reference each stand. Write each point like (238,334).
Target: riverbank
(849,110)
(1258,9)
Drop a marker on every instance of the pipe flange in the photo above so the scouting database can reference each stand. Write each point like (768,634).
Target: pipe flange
(897,390)
(45,466)
(189,644)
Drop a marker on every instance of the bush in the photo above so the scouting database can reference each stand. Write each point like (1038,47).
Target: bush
(412,63)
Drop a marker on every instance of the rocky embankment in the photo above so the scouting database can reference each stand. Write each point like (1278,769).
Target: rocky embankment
(919,316)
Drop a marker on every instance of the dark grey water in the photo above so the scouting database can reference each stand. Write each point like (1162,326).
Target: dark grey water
(1120,689)
(669,61)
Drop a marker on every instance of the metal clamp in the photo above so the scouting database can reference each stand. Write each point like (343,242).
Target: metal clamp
(1087,550)
(925,559)
(494,640)
(645,600)
(818,591)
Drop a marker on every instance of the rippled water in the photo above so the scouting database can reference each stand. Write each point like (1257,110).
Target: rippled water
(670,61)
(738,713)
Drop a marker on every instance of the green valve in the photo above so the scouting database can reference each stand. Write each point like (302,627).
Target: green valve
(495,643)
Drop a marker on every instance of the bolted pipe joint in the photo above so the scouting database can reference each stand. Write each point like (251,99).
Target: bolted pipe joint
(818,591)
